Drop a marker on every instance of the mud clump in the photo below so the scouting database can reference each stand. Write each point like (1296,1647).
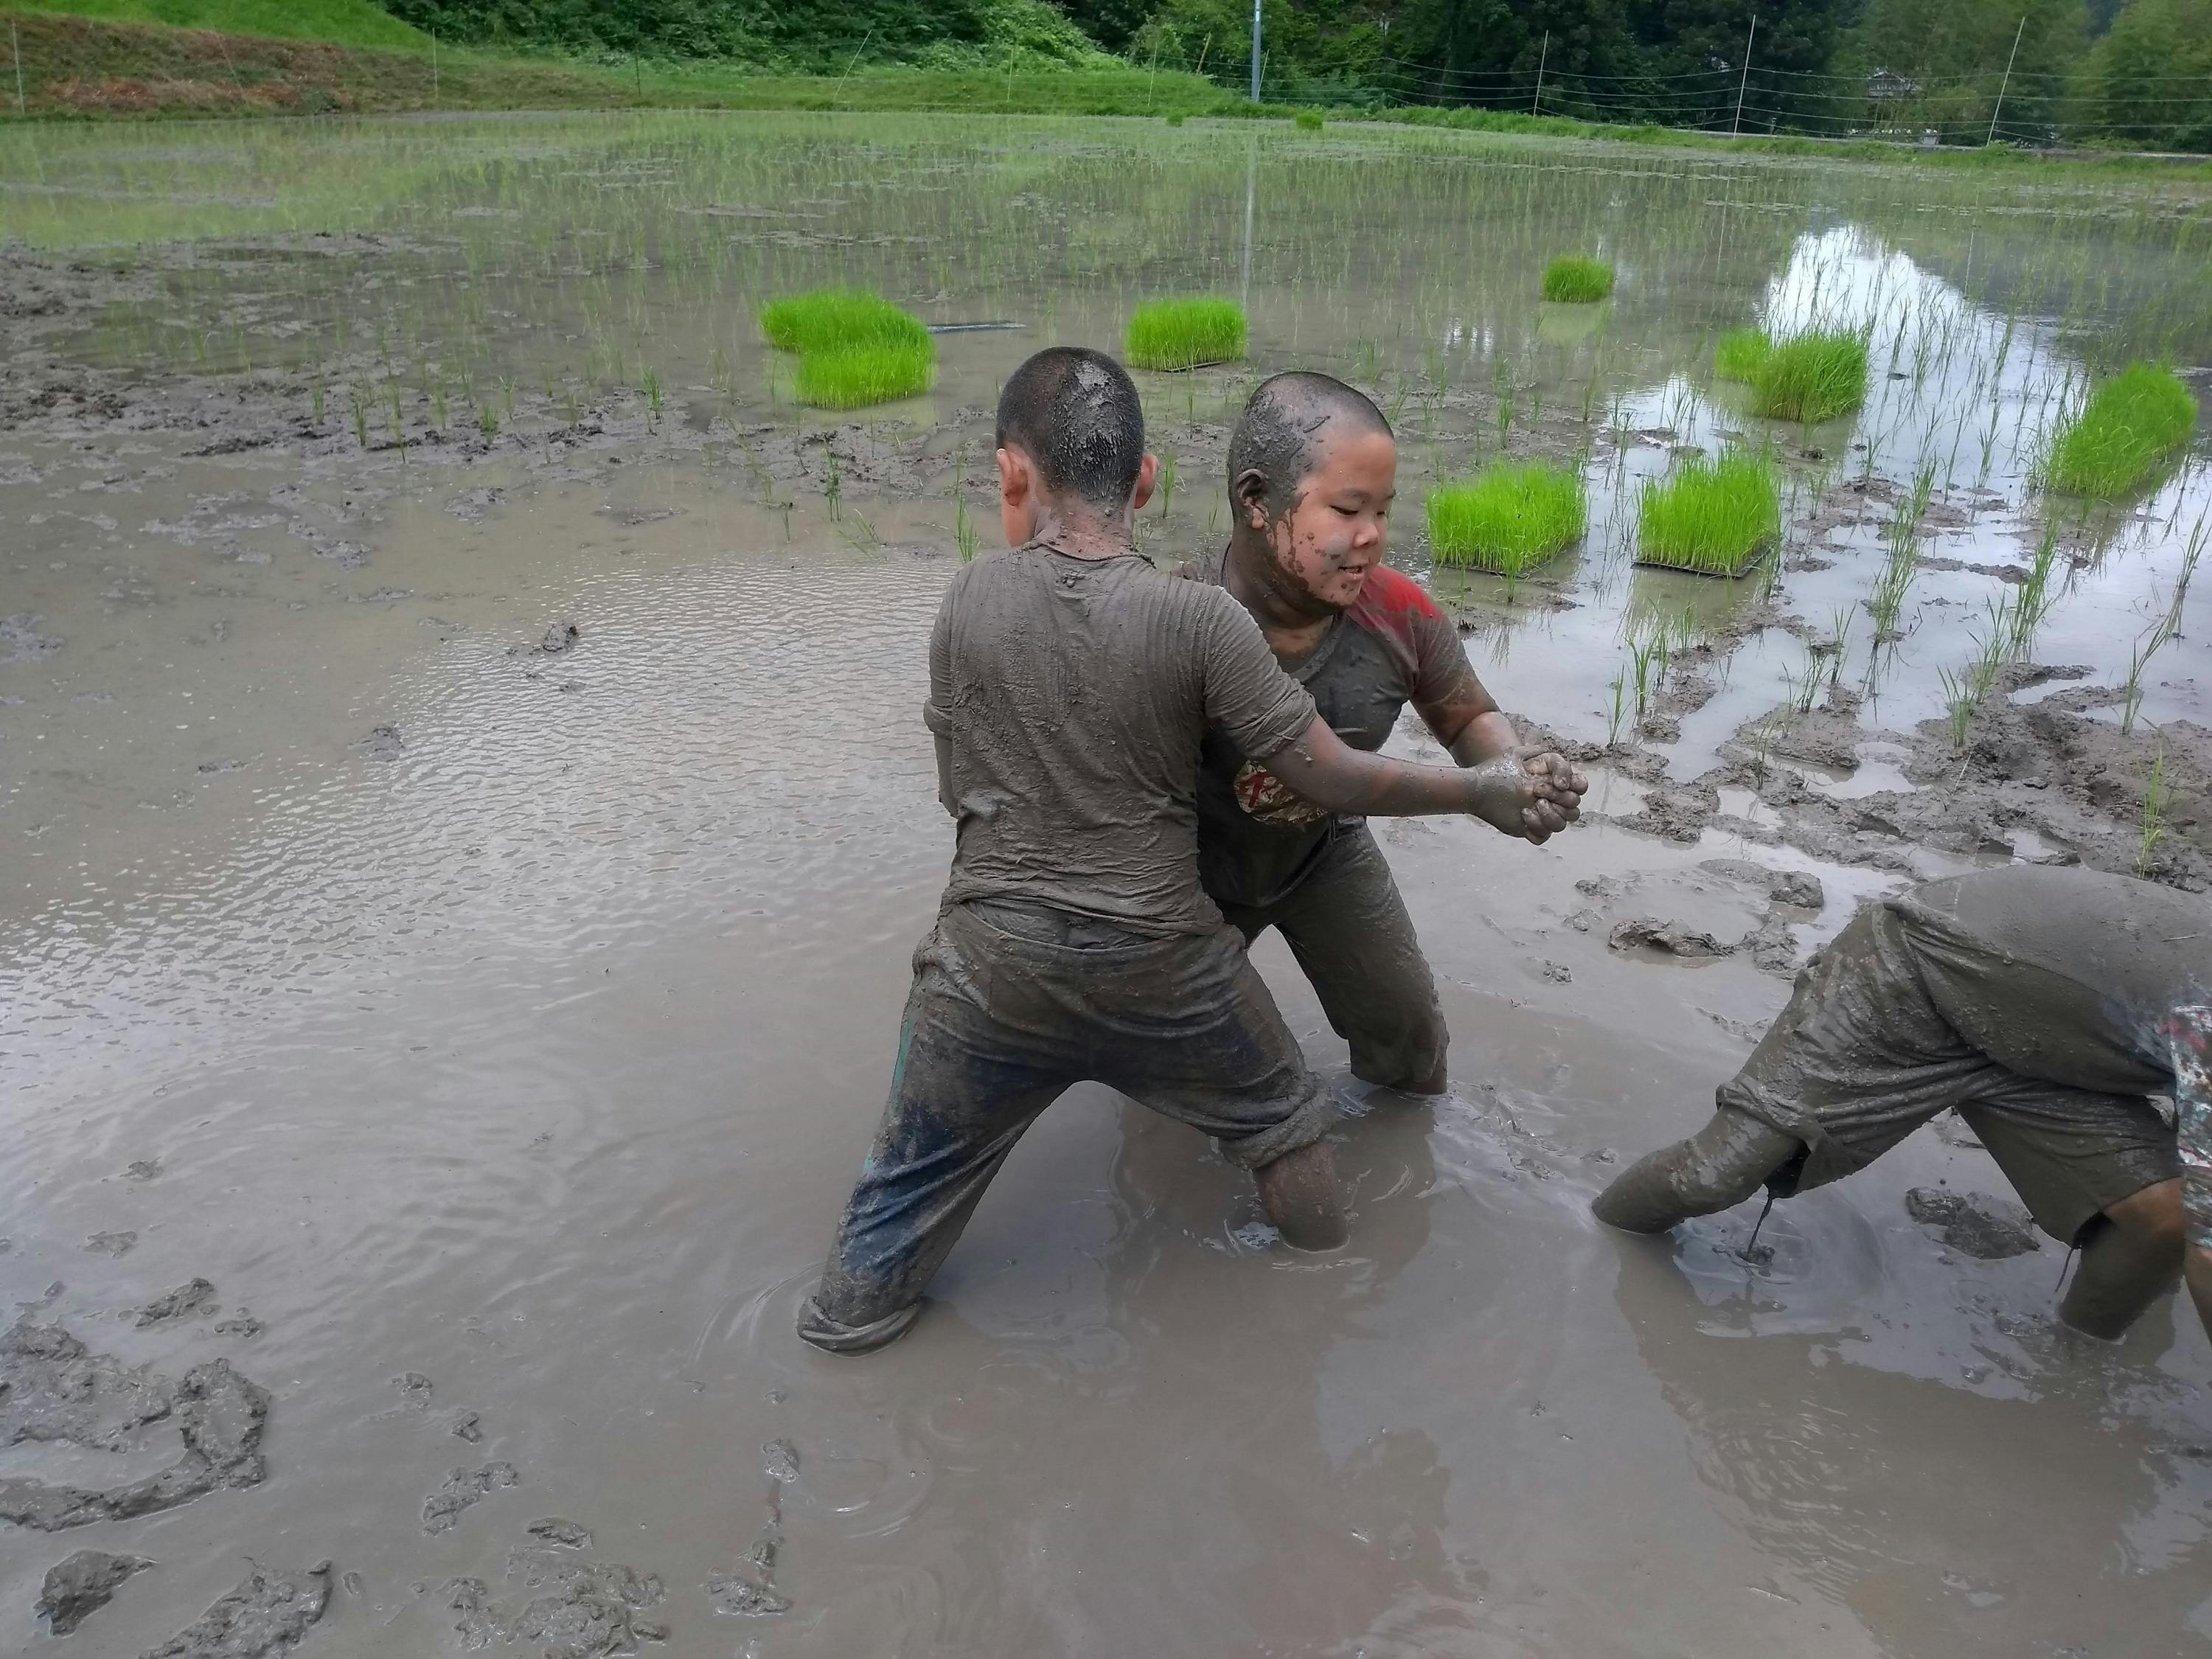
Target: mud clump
(267,1615)
(553,1529)
(1974,1224)
(581,1610)
(112,1244)
(560,637)
(460,1488)
(187,1301)
(752,1594)
(55,1390)
(383,743)
(76,1589)
(1674,938)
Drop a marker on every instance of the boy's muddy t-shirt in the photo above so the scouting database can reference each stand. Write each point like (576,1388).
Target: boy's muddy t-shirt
(1255,839)
(1069,697)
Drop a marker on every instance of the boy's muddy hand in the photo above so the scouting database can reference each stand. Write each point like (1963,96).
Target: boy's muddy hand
(1534,795)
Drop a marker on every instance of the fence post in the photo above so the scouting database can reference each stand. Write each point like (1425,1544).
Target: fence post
(1737,130)
(1540,58)
(2005,83)
(16,46)
(1255,51)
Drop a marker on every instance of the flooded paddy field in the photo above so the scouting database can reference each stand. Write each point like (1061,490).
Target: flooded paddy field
(436,1043)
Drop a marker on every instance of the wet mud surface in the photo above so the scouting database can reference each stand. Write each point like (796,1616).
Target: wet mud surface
(458,888)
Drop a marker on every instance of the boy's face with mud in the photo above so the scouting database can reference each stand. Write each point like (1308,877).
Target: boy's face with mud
(1336,528)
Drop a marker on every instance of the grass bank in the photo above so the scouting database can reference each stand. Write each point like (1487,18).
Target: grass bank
(323,56)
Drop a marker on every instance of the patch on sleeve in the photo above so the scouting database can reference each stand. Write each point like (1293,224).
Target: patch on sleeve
(1269,800)
(1395,594)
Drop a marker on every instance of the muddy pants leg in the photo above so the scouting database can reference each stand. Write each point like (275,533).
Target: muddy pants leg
(1348,926)
(963,1089)
(1859,1059)
(1716,1169)
(1188,1028)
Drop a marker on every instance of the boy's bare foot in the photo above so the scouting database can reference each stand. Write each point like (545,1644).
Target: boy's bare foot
(1300,1193)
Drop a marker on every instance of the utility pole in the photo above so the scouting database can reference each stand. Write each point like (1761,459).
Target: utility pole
(1540,58)
(1255,51)
(16,46)
(434,68)
(2006,83)
(1737,130)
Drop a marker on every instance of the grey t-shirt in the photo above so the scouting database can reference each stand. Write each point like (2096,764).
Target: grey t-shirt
(1069,698)
(2065,974)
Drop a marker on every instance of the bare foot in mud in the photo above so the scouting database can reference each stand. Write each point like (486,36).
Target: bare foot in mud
(1300,1193)
(1535,795)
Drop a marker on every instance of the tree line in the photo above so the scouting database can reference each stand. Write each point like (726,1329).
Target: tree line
(2136,74)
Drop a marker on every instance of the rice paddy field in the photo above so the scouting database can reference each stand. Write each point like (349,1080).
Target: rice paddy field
(465,818)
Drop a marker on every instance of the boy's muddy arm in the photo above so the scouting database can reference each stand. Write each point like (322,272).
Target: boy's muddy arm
(1470,724)
(1535,796)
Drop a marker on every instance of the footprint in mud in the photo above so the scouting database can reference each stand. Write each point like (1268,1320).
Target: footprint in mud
(582,1609)
(266,1616)
(146,1169)
(750,1593)
(442,1508)
(53,1389)
(76,1589)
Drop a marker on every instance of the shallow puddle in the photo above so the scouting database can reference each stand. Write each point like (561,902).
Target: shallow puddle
(496,1017)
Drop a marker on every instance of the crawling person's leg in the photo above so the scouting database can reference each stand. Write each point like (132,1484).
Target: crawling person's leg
(1716,1169)
(2131,1256)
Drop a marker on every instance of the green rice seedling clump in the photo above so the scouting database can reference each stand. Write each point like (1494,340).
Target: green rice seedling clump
(1577,280)
(1185,333)
(1814,377)
(1508,518)
(1715,517)
(2130,423)
(852,377)
(1740,354)
(1309,121)
(855,348)
(836,317)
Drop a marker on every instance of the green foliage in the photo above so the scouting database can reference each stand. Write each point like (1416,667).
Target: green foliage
(855,376)
(1308,120)
(1715,517)
(855,348)
(930,34)
(1508,518)
(1740,353)
(346,22)
(2141,87)
(1578,281)
(2130,423)
(1185,333)
(1814,377)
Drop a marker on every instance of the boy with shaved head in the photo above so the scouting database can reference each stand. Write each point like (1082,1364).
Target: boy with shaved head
(1071,687)
(1312,476)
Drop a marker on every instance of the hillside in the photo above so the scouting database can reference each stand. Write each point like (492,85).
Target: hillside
(341,22)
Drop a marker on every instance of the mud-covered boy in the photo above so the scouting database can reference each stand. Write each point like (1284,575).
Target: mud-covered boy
(1071,687)
(1313,471)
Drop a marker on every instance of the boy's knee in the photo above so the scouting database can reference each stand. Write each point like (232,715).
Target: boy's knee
(2153,1219)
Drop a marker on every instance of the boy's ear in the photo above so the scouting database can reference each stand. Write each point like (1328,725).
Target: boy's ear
(1148,475)
(1015,480)
(1248,490)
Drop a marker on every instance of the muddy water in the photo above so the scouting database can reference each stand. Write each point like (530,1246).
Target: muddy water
(503,1027)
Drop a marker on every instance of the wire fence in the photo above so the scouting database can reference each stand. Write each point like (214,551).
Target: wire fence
(2019,106)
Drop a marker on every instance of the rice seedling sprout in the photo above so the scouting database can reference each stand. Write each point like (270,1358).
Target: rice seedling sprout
(1187,333)
(1576,279)
(1510,518)
(1715,517)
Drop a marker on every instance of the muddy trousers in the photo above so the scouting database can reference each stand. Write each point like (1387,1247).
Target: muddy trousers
(1862,1056)
(1347,926)
(1011,1006)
